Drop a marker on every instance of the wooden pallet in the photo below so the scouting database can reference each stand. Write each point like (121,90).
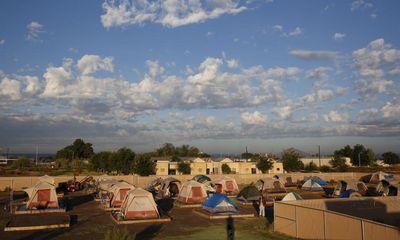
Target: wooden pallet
(36,211)
(41,227)
(209,216)
(189,205)
(153,220)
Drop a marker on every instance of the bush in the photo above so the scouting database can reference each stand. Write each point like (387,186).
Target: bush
(311,167)
(116,233)
(225,169)
(21,163)
(325,168)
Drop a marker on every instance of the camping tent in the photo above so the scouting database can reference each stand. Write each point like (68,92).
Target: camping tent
(192,192)
(226,185)
(139,204)
(47,179)
(219,203)
(379,176)
(118,192)
(42,195)
(320,181)
(170,187)
(311,185)
(292,196)
(286,179)
(106,184)
(201,178)
(270,185)
(347,184)
(388,188)
(248,193)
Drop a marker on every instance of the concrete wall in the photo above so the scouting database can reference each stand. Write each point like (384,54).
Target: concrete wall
(311,223)
(24,182)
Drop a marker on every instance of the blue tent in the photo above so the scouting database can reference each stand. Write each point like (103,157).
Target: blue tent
(320,181)
(346,194)
(219,203)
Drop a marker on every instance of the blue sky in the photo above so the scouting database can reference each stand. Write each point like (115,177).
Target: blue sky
(218,74)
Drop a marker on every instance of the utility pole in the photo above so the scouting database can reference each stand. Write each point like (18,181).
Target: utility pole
(37,149)
(359,160)
(319,155)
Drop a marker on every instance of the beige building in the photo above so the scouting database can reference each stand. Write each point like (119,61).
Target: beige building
(212,166)
(325,161)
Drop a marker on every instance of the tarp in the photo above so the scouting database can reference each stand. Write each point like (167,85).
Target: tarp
(42,195)
(347,193)
(311,185)
(248,193)
(118,192)
(139,204)
(192,192)
(320,181)
(219,203)
(226,185)
(347,184)
(292,196)
(201,178)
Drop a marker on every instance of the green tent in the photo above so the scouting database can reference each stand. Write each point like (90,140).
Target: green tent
(248,193)
(201,178)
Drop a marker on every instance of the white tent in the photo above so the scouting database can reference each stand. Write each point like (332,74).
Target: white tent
(379,176)
(118,192)
(139,204)
(42,195)
(270,185)
(226,185)
(311,185)
(47,179)
(192,192)
(292,196)
(169,187)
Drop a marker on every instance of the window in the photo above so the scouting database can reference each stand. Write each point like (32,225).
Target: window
(278,169)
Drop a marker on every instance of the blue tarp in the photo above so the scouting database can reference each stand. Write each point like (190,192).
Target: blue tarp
(320,181)
(346,194)
(216,199)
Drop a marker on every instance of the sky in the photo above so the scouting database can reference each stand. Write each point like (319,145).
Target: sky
(217,74)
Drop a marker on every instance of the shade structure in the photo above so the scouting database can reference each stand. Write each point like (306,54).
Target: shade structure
(226,185)
(292,196)
(311,185)
(117,193)
(379,176)
(139,204)
(169,187)
(201,178)
(270,185)
(219,203)
(42,195)
(248,193)
(192,192)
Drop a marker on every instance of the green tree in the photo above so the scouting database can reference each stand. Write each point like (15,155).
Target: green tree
(262,163)
(184,167)
(77,150)
(337,161)
(175,159)
(225,168)
(247,155)
(390,158)
(21,163)
(143,165)
(122,160)
(101,162)
(311,166)
(358,154)
(291,160)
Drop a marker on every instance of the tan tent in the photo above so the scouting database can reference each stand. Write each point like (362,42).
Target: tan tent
(42,195)
(118,192)
(192,192)
(347,184)
(47,179)
(226,185)
(169,187)
(379,176)
(105,184)
(270,185)
(139,204)
(388,188)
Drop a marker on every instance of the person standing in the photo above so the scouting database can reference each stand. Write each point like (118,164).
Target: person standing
(262,205)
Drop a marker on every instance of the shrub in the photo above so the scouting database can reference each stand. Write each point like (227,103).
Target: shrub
(225,169)
(116,233)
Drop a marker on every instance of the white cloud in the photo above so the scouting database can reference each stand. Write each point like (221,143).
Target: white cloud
(2,41)
(391,109)
(284,112)
(10,88)
(334,116)
(170,13)
(319,96)
(255,118)
(154,68)
(278,28)
(319,73)
(357,4)
(341,90)
(339,36)
(232,63)
(373,15)
(313,55)
(296,32)
(89,64)
(34,30)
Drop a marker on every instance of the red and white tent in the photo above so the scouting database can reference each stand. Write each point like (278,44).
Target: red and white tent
(226,185)
(139,204)
(192,192)
(42,195)
(118,192)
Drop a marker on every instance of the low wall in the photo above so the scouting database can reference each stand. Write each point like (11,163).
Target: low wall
(312,223)
(24,182)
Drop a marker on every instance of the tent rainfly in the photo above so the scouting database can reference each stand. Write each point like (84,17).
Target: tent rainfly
(170,187)
(311,185)
(201,178)
(192,192)
(292,196)
(270,185)
(42,195)
(248,193)
(226,185)
(118,192)
(219,203)
(139,204)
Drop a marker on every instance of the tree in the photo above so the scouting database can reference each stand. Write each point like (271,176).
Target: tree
(77,150)
(21,163)
(311,166)
(175,159)
(291,160)
(184,168)
(122,160)
(337,161)
(143,165)
(225,168)
(358,154)
(390,158)
(263,163)
(101,162)
(247,155)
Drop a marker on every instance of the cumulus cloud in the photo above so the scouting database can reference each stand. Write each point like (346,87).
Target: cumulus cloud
(284,112)
(34,30)
(359,4)
(2,41)
(334,116)
(313,55)
(297,31)
(391,109)
(10,88)
(232,63)
(254,118)
(89,64)
(170,13)
(319,96)
(339,36)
